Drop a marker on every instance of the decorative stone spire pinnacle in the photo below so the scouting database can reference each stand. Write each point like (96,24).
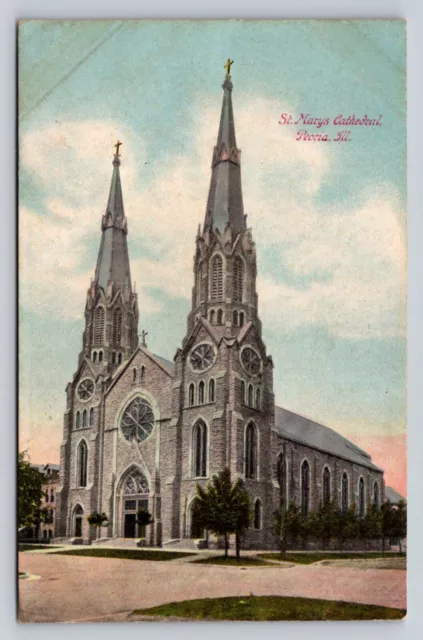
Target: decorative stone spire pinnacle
(224,203)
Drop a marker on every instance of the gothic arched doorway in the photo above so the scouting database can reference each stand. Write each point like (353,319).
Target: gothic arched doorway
(78,513)
(196,528)
(135,494)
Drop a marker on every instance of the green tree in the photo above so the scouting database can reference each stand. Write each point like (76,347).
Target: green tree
(387,521)
(287,526)
(224,508)
(399,522)
(370,527)
(143,519)
(30,492)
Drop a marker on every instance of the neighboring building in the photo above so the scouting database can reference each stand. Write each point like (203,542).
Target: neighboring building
(51,484)
(393,496)
(142,431)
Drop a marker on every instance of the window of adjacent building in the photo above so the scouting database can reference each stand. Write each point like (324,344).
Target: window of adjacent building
(361,498)
(82,464)
(257,514)
(251,452)
(191,393)
(200,449)
(344,493)
(117,327)
(326,485)
(376,496)
(211,390)
(217,278)
(201,392)
(91,417)
(238,277)
(99,325)
(305,488)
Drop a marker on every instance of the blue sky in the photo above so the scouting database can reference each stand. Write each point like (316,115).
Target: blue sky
(328,218)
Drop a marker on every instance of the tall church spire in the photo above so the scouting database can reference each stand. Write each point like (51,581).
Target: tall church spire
(113,260)
(224,205)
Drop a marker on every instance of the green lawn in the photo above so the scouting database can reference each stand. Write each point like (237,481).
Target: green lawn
(272,608)
(309,558)
(32,547)
(233,562)
(125,554)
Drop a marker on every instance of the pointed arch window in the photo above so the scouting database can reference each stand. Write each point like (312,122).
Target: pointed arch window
(217,278)
(376,496)
(191,395)
(326,485)
(251,452)
(235,318)
(211,390)
(95,356)
(257,514)
(114,357)
(82,464)
(117,327)
(130,329)
(241,318)
(201,387)
(361,498)
(84,419)
(219,316)
(250,395)
(142,374)
(344,493)
(100,356)
(78,420)
(120,358)
(242,392)
(200,450)
(212,316)
(238,279)
(134,375)
(281,473)
(99,325)
(258,399)
(305,488)
(200,290)
(91,417)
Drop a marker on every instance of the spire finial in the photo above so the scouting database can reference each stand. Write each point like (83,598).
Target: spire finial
(227,66)
(117,145)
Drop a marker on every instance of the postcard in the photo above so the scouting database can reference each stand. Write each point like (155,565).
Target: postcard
(212,320)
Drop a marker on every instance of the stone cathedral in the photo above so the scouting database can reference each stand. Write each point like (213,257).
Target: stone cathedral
(140,431)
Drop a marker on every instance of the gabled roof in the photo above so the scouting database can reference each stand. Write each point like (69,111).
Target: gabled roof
(167,366)
(393,496)
(312,434)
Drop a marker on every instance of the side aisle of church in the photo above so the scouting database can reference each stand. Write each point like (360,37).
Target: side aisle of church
(140,431)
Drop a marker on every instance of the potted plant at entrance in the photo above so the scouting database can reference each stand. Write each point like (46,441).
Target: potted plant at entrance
(98,520)
(143,519)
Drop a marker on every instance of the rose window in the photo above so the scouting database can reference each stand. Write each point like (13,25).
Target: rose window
(138,420)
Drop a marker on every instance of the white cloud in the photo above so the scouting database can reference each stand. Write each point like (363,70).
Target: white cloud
(355,261)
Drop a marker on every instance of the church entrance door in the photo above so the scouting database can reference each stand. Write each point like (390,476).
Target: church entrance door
(130,525)
(197,530)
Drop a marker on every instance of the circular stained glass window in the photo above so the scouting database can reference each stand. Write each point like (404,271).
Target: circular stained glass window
(202,357)
(251,361)
(86,389)
(137,421)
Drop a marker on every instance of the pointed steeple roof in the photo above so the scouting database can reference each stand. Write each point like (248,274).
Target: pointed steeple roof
(113,259)
(224,203)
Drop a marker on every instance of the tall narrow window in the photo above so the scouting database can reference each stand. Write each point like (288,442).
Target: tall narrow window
(361,498)
(82,462)
(200,450)
(84,418)
(130,329)
(134,375)
(250,452)
(99,325)
(212,316)
(344,493)
(91,417)
(235,318)
(376,496)
(257,514)
(95,356)
(305,488)
(100,356)
(219,316)
(258,399)
(242,392)
(211,390)
(241,318)
(200,296)
(78,420)
(201,392)
(238,277)
(250,395)
(117,327)
(142,374)
(191,395)
(326,485)
(217,278)
(52,499)
(120,358)
(114,357)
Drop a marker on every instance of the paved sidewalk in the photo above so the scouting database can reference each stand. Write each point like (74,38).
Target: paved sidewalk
(77,589)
